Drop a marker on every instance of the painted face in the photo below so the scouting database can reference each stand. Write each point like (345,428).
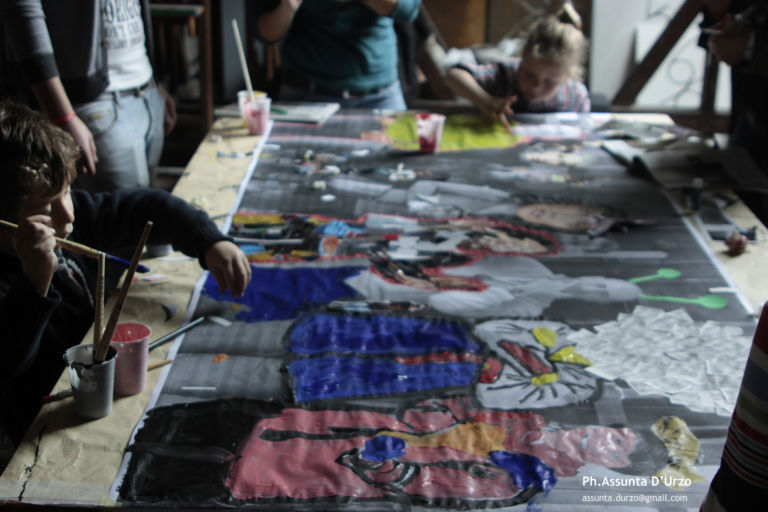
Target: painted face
(540,78)
(335,453)
(602,289)
(58,206)
(538,367)
(569,217)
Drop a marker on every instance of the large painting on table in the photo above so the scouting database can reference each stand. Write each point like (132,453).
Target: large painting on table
(484,328)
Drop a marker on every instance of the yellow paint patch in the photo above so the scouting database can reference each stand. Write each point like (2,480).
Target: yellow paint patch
(545,336)
(545,378)
(303,254)
(258,218)
(461,131)
(682,450)
(220,357)
(569,355)
(260,256)
(473,437)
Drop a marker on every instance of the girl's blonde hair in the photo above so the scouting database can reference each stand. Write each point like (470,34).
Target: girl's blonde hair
(560,41)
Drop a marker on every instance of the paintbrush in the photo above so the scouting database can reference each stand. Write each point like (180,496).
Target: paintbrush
(100,350)
(186,327)
(267,241)
(83,249)
(98,300)
(171,335)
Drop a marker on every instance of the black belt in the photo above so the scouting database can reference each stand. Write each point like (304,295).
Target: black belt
(133,91)
(300,82)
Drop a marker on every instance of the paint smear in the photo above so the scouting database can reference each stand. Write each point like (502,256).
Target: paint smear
(461,132)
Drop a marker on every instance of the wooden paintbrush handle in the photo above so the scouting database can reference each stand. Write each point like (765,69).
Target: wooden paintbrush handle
(100,351)
(62,242)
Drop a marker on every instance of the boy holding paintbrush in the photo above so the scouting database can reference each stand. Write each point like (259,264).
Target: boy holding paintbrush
(46,293)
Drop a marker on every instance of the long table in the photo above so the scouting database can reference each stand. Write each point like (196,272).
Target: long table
(420,331)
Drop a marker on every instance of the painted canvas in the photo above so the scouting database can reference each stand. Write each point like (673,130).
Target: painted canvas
(525,326)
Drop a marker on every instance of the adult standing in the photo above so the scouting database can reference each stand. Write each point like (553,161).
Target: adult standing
(736,33)
(338,50)
(88,65)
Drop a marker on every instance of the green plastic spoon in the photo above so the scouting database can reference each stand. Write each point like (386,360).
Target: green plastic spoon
(707,301)
(663,273)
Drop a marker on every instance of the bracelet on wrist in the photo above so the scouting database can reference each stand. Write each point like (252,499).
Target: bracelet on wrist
(64,119)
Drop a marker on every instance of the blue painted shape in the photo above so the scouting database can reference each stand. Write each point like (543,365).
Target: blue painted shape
(526,470)
(382,448)
(343,334)
(251,248)
(281,293)
(338,228)
(328,377)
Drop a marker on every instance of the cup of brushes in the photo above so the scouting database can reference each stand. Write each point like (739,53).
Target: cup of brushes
(91,367)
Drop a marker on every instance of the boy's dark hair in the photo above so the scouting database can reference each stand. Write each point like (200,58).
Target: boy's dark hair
(36,157)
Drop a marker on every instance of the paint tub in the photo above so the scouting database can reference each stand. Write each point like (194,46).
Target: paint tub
(92,383)
(242,99)
(131,340)
(429,128)
(257,115)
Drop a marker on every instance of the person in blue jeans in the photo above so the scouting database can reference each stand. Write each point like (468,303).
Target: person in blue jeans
(337,50)
(87,64)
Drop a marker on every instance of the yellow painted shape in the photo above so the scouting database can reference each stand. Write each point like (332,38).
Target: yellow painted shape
(461,131)
(545,336)
(304,254)
(569,355)
(260,256)
(473,437)
(258,218)
(545,378)
(682,449)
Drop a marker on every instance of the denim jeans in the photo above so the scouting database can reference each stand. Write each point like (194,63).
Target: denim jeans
(389,98)
(128,131)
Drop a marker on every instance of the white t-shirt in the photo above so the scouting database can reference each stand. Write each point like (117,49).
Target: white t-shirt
(124,38)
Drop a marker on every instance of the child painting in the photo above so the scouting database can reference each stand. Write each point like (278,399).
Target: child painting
(545,78)
(46,294)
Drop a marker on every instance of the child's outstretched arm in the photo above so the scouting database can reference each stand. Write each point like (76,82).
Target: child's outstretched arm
(464,84)
(229,266)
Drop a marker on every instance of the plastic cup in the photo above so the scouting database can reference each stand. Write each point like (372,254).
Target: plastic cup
(429,128)
(131,340)
(257,115)
(92,383)
(242,99)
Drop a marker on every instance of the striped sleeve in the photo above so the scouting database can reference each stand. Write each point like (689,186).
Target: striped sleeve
(743,473)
